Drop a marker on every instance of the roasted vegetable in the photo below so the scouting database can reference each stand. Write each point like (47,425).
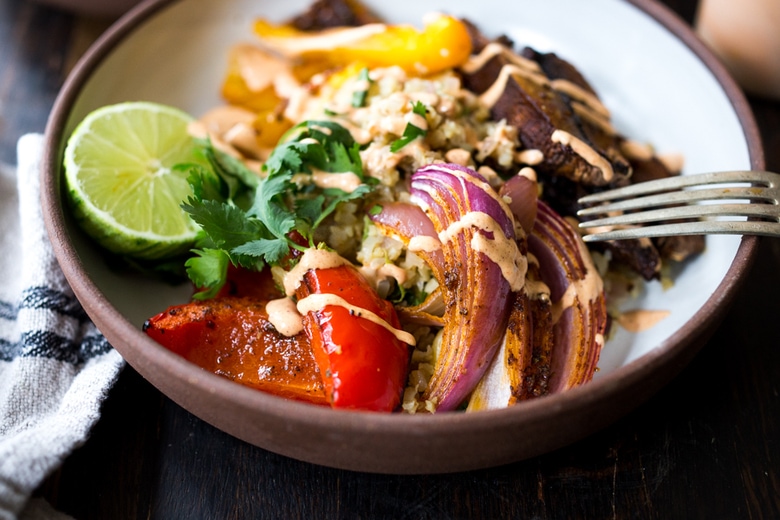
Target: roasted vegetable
(481,267)
(442,44)
(233,337)
(577,294)
(361,352)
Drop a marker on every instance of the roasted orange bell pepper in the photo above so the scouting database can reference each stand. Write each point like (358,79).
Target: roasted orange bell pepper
(251,73)
(443,43)
(363,364)
(232,337)
(239,89)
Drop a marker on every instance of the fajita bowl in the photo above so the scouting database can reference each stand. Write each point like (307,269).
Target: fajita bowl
(662,86)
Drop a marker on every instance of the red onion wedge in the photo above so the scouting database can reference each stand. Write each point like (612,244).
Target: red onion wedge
(481,268)
(521,192)
(548,347)
(521,368)
(577,294)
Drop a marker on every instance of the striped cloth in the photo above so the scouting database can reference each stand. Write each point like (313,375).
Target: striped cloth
(55,366)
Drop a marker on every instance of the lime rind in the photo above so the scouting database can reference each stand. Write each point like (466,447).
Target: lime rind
(121,183)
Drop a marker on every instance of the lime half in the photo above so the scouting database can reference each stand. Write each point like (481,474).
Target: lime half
(121,183)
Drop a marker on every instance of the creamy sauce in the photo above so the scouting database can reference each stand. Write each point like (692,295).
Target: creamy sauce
(243,137)
(580,94)
(536,289)
(322,129)
(458,156)
(494,49)
(345,181)
(424,243)
(585,151)
(532,260)
(491,176)
(230,129)
(312,258)
(531,157)
(317,302)
(528,173)
(284,316)
(360,135)
(673,161)
(416,120)
(639,320)
(320,259)
(324,40)
(362,85)
(374,275)
(501,250)
(587,289)
(430,99)
(496,90)
(259,69)
(636,150)
(221,119)
(592,117)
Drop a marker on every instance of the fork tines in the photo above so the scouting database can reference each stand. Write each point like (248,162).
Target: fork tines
(707,203)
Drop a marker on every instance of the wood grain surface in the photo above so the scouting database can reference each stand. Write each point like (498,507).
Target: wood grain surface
(706,446)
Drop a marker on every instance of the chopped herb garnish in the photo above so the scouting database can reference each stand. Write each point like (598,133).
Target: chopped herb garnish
(360,95)
(411,132)
(247,220)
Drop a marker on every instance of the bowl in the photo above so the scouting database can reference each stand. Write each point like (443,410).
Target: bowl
(108,9)
(662,86)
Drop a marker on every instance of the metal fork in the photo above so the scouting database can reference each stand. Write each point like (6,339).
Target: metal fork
(707,203)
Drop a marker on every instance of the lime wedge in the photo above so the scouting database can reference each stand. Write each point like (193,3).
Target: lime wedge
(120,182)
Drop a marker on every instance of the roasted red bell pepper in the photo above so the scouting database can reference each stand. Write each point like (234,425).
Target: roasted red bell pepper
(363,364)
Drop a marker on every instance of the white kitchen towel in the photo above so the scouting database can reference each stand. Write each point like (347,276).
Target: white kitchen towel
(55,366)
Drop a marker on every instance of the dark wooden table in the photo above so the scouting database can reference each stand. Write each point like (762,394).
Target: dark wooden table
(706,446)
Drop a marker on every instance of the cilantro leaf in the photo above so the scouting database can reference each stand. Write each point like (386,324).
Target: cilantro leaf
(208,270)
(309,210)
(407,297)
(337,197)
(411,132)
(269,206)
(286,158)
(270,250)
(360,95)
(232,170)
(344,159)
(206,185)
(226,225)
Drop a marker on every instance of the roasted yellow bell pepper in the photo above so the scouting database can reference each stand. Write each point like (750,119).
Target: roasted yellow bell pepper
(443,43)
(270,127)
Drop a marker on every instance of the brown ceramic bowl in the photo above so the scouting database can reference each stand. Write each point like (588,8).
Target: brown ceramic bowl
(662,86)
(108,9)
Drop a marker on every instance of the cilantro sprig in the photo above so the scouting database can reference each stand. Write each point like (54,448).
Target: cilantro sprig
(411,132)
(249,221)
